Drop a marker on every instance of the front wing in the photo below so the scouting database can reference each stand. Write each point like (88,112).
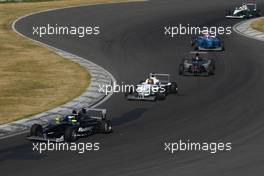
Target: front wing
(187,73)
(235,17)
(43,139)
(138,98)
(210,49)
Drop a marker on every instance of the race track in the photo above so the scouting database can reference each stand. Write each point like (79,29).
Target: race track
(226,107)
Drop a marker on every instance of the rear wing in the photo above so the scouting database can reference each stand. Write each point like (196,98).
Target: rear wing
(160,76)
(252,6)
(198,52)
(96,113)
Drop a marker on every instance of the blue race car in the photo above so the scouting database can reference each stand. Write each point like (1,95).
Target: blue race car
(207,43)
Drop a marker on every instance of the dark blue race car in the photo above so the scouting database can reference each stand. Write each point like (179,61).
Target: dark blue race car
(207,43)
(71,127)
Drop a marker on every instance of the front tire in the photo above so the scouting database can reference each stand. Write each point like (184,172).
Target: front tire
(196,47)
(70,134)
(181,69)
(228,12)
(36,130)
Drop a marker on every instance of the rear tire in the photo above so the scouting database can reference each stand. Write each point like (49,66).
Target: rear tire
(173,87)
(36,130)
(222,46)
(181,69)
(228,12)
(213,64)
(128,92)
(106,127)
(258,13)
(211,70)
(70,134)
(160,96)
(196,47)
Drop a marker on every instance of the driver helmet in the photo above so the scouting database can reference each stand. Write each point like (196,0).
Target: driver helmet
(57,119)
(207,35)
(72,119)
(197,56)
(74,112)
(150,81)
(243,7)
(84,110)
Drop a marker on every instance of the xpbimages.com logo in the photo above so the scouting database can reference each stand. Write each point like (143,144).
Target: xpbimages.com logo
(214,31)
(80,31)
(80,148)
(147,89)
(189,146)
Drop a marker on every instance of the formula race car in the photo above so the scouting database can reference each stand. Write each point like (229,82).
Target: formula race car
(207,42)
(70,127)
(248,10)
(156,87)
(197,66)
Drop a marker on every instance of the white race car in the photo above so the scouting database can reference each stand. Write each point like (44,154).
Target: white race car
(155,87)
(248,10)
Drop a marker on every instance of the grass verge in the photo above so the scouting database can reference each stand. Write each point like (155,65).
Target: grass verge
(33,79)
(258,25)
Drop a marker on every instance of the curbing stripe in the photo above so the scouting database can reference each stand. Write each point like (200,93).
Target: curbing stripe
(244,28)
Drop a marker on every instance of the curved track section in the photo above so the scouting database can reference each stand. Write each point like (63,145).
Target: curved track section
(224,107)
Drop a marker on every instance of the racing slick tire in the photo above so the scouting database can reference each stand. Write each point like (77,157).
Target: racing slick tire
(222,46)
(106,127)
(70,134)
(228,12)
(160,96)
(258,13)
(36,130)
(173,87)
(196,47)
(181,69)
(247,15)
(128,92)
(211,70)
(214,64)
(192,42)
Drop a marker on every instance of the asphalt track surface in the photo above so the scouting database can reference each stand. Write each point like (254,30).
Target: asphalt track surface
(226,107)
